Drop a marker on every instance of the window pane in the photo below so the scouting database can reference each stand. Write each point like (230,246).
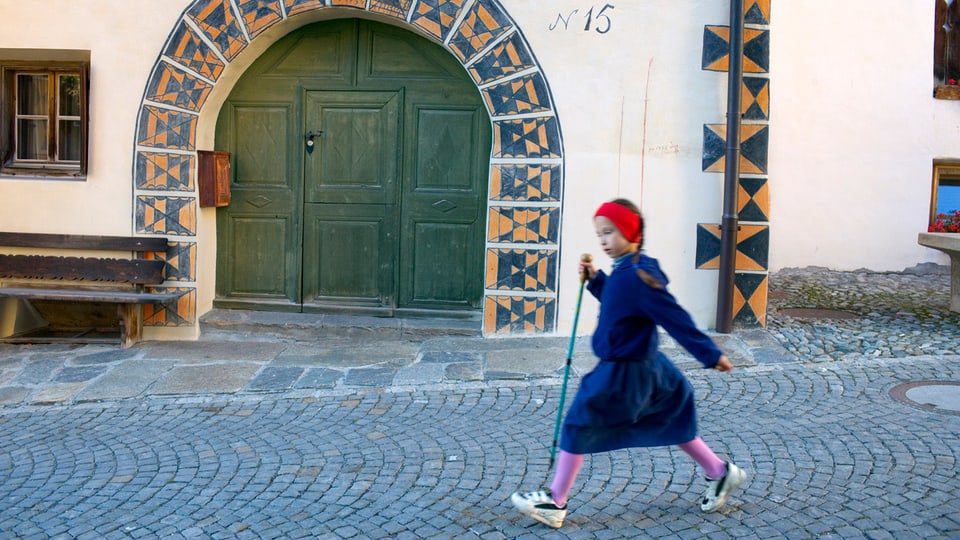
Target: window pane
(69,140)
(31,139)
(69,95)
(31,94)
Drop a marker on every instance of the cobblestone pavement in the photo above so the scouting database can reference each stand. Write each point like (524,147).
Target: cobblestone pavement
(292,440)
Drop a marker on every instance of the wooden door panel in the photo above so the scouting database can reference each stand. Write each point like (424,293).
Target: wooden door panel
(357,156)
(444,195)
(349,255)
(258,236)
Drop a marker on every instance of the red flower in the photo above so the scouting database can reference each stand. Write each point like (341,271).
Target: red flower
(946,223)
(952,82)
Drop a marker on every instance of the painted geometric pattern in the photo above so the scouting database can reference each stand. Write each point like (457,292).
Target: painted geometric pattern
(512,182)
(394,8)
(754,142)
(756,98)
(162,128)
(523,225)
(505,58)
(182,312)
(174,87)
(753,200)
(216,19)
(485,22)
(527,138)
(753,245)
(750,299)
(258,15)
(521,270)
(181,260)
(188,49)
(166,215)
(294,7)
(349,3)
(518,314)
(528,94)
(716,49)
(167,172)
(437,16)
(756,12)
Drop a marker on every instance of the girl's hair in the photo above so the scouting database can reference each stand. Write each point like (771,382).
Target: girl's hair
(628,204)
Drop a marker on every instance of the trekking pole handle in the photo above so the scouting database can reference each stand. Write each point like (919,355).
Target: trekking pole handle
(586,257)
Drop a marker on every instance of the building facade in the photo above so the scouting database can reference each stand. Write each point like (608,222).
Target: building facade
(445,157)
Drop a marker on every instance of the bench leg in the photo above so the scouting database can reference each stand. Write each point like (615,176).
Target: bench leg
(955,282)
(131,324)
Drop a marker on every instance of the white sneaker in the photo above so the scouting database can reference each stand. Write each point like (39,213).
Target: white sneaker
(540,506)
(719,489)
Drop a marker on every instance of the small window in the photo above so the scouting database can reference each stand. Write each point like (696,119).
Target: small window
(43,105)
(945,194)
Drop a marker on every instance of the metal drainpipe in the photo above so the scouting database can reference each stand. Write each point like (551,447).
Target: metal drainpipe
(731,173)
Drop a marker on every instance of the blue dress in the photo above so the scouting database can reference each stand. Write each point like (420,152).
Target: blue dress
(635,396)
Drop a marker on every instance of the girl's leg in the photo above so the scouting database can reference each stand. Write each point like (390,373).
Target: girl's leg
(568,466)
(701,453)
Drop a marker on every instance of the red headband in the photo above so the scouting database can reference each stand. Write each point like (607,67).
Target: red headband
(625,219)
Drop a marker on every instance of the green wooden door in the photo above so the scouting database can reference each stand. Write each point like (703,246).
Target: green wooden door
(351,198)
(385,214)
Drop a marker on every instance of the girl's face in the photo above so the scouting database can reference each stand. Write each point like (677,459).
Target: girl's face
(611,239)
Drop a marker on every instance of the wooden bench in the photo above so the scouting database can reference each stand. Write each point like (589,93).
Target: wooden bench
(107,279)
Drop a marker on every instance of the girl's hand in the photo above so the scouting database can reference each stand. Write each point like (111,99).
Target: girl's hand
(723,365)
(587,270)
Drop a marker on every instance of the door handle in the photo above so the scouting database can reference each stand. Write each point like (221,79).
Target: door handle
(310,142)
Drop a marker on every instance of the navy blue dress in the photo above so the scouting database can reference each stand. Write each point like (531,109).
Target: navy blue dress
(635,396)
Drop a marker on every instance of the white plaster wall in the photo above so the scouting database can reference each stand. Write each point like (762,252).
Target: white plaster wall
(124,38)
(854,131)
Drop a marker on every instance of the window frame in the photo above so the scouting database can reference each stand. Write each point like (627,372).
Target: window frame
(14,62)
(946,172)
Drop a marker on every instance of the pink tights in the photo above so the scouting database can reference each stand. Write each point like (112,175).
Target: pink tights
(568,466)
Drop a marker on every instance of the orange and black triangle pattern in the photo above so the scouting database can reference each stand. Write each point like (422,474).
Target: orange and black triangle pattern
(753,247)
(756,12)
(360,4)
(181,312)
(484,23)
(754,144)
(521,270)
(162,128)
(527,94)
(178,88)
(503,59)
(437,16)
(166,172)
(510,224)
(750,299)
(527,138)
(753,200)
(393,8)
(513,182)
(216,19)
(716,49)
(181,260)
(186,48)
(518,314)
(294,7)
(755,104)
(166,215)
(258,15)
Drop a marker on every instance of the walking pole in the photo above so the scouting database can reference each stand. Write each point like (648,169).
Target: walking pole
(586,257)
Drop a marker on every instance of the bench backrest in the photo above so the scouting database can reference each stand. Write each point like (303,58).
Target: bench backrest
(137,271)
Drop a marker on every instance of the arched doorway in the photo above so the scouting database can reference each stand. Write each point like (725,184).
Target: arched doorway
(360,158)
(216,40)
